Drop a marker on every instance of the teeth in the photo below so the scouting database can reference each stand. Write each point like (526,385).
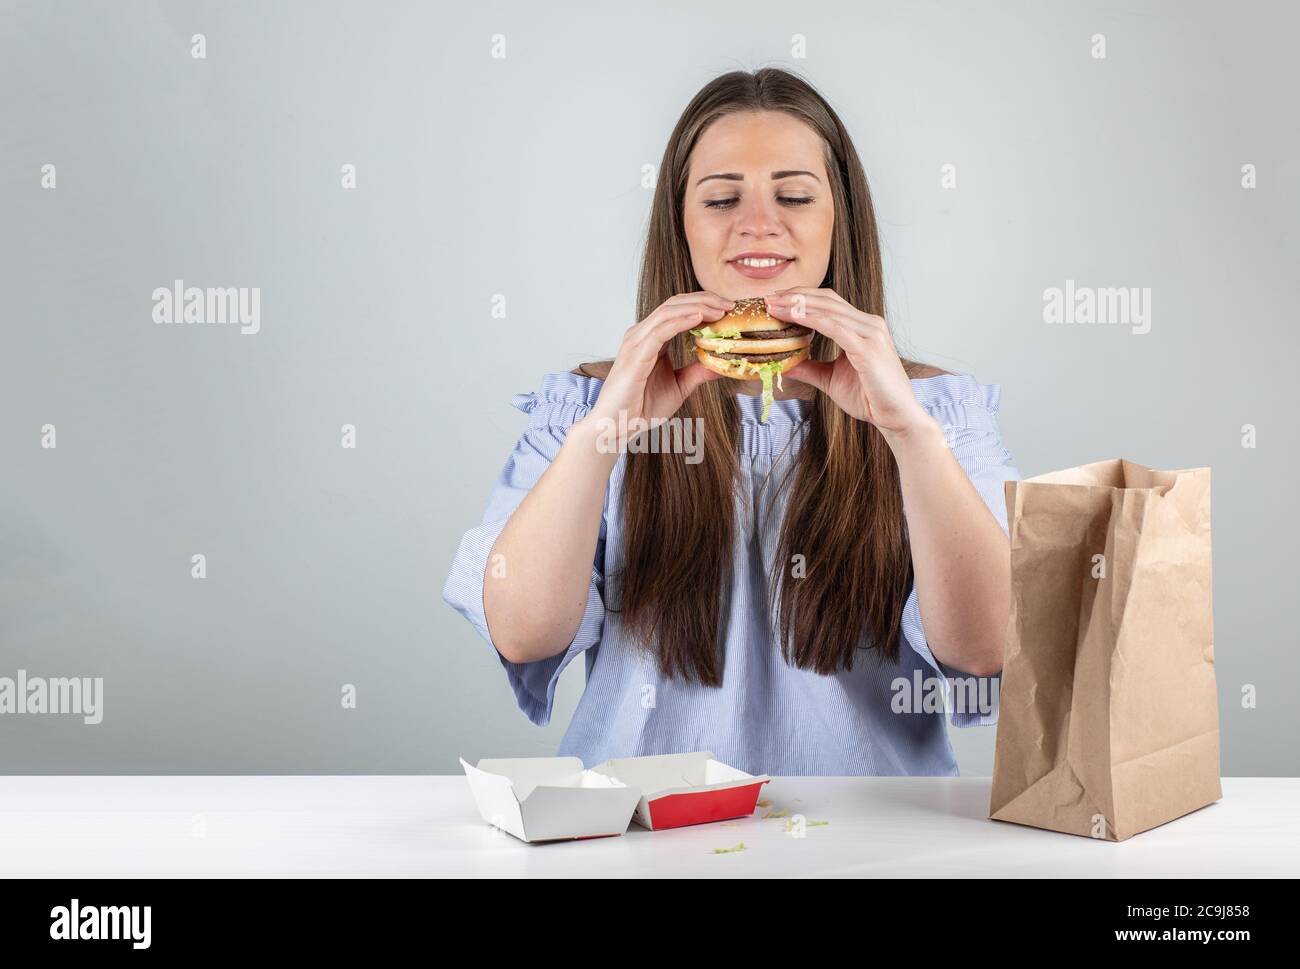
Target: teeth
(760,263)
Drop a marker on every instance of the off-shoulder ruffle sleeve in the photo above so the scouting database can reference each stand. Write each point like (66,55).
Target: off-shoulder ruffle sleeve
(967,411)
(562,399)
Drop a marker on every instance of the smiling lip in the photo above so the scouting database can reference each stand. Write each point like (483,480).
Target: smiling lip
(760,272)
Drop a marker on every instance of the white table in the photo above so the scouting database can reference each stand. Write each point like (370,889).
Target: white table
(362,825)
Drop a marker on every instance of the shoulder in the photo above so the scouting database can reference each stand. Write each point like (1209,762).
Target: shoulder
(562,398)
(954,398)
(598,369)
(916,370)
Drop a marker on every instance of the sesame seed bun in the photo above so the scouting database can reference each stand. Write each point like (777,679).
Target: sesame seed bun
(748,316)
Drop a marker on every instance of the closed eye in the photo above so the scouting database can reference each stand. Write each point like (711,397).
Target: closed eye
(785,199)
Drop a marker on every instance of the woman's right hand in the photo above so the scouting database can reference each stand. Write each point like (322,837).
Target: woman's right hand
(642,382)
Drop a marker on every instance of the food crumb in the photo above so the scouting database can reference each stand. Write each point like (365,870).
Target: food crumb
(727,851)
(790,825)
(776,814)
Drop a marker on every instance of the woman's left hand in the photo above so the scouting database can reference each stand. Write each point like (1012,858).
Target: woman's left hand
(867,379)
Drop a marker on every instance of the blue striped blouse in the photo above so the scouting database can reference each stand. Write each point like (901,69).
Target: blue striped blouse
(767,717)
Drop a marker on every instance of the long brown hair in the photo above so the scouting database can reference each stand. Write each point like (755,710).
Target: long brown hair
(844,515)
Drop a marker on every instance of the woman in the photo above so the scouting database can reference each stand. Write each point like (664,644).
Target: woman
(764,602)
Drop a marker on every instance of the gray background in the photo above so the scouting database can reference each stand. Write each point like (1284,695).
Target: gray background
(522,177)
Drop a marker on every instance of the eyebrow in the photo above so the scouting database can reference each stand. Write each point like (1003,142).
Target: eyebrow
(737,177)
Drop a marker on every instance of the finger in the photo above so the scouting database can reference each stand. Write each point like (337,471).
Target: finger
(813,372)
(803,314)
(692,375)
(703,296)
(666,329)
(816,291)
(649,328)
(651,343)
(810,298)
(806,291)
(641,350)
(809,303)
(713,298)
(664,318)
(658,325)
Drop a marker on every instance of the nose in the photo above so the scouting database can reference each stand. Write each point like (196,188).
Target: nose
(758,217)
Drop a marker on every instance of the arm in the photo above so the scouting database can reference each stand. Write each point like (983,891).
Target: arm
(538,572)
(959,552)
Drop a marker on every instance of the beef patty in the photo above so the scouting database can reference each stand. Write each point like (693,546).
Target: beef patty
(794,329)
(758,357)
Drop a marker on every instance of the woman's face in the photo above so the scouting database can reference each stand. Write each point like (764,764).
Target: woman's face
(757,184)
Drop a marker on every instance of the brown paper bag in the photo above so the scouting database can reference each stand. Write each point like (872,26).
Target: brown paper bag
(1108,718)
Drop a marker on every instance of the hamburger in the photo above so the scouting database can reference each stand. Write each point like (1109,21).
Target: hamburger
(747,343)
